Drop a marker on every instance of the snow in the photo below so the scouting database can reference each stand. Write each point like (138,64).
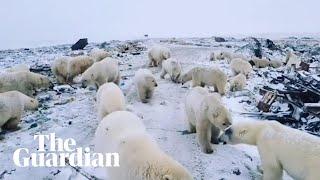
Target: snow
(72,114)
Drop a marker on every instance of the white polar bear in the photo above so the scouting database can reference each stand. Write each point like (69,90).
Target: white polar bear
(157,54)
(260,62)
(206,76)
(275,63)
(99,54)
(23,81)
(140,156)
(109,99)
(280,148)
(239,65)
(172,67)
(12,105)
(228,56)
(145,84)
(292,59)
(205,114)
(238,82)
(18,67)
(66,68)
(101,72)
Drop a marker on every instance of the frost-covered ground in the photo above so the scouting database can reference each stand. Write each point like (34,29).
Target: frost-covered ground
(70,112)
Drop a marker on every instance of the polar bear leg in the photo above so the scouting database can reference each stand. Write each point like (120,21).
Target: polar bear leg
(203,129)
(61,79)
(149,93)
(117,81)
(221,88)
(215,132)
(163,73)
(12,124)
(272,170)
(272,173)
(142,95)
(195,83)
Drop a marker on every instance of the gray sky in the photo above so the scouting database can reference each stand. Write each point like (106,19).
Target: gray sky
(32,23)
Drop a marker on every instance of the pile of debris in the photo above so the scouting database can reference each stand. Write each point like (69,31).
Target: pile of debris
(131,47)
(301,91)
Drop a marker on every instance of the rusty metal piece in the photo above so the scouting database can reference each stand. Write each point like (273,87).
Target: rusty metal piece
(267,100)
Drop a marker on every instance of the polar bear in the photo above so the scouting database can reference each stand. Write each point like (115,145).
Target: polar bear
(24,81)
(239,65)
(280,148)
(157,54)
(109,99)
(205,113)
(206,76)
(260,62)
(238,82)
(228,56)
(12,105)
(99,54)
(101,72)
(145,84)
(292,59)
(66,68)
(172,67)
(17,68)
(275,63)
(140,156)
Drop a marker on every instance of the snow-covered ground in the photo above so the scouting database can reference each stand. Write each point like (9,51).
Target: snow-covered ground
(71,113)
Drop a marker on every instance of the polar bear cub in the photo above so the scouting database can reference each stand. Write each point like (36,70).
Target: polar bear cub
(239,65)
(109,99)
(205,112)
(157,54)
(12,105)
(99,54)
(23,81)
(140,156)
(280,148)
(145,84)
(101,72)
(66,68)
(172,67)
(238,82)
(206,76)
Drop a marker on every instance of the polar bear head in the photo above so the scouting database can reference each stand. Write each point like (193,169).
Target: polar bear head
(28,102)
(166,53)
(245,132)
(40,81)
(186,77)
(217,113)
(150,81)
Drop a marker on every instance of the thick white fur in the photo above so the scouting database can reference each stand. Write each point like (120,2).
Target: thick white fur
(18,67)
(140,156)
(157,54)
(239,65)
(101,72)
(109,99)
(172,67)
(291,59)
(281,148)
(99,54)
(12,105)
(205,112)
(238,82)
(145,84)
(23,81)
(228,56)
(207,76)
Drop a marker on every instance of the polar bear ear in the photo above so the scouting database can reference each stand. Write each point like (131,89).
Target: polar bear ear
(167,177)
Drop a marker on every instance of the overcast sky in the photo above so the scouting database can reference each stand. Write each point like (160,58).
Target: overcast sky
(32,23)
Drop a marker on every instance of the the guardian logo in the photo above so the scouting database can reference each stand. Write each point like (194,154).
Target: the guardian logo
(60,152)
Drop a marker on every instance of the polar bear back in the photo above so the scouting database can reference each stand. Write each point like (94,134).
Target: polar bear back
(99,54)
(239,65)
(172,66)
(109,99)
(193,102)
(298,152)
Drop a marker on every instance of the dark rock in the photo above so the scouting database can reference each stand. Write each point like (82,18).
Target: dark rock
(270,45)
(219,39)
(236,171)
(315,51)
(70,122)
(33,125)
(80,44)
(257,48)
